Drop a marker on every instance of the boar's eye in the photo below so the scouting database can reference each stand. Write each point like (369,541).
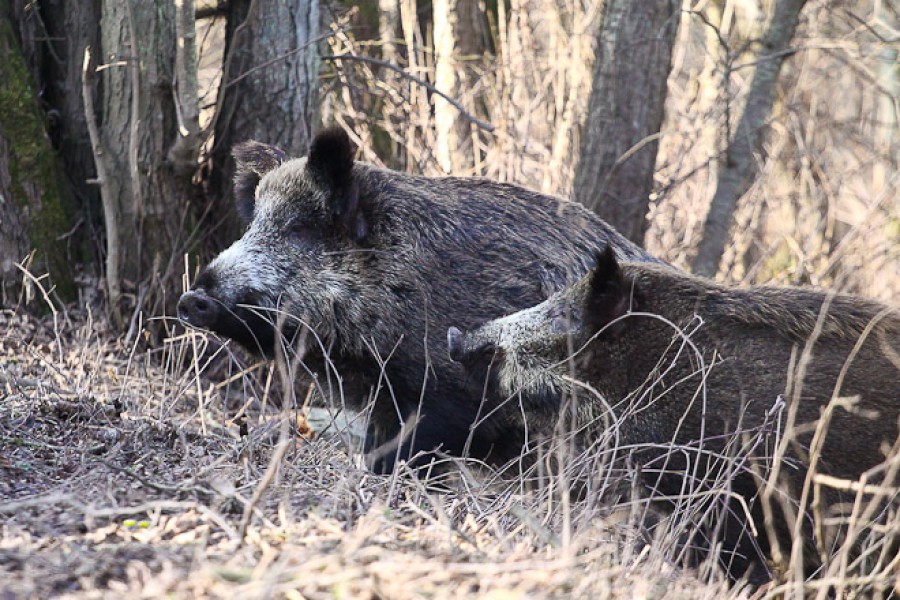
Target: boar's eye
(564,321)
(301,230)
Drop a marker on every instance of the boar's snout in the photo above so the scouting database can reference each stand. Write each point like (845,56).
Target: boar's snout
(455,343)
(198,309)
(463,348)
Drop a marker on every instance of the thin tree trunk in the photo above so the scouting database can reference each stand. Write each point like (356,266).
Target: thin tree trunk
(614,176)
(35,211)
(745,150)
(184,152)
(389,28)
(268,90)
(459,47)
(390,35)
(886,138)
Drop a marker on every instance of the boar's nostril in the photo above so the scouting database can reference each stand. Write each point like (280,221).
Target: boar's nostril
(196,308)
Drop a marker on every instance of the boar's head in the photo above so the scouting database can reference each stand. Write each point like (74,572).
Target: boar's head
(282,276)
(528,352)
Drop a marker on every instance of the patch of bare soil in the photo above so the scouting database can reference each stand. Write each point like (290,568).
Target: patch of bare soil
(123,474)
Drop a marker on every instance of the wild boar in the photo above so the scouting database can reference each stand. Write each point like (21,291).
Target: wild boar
(697,377)
(359,270)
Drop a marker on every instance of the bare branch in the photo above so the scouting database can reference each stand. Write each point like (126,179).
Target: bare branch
(113,282)
(383,63)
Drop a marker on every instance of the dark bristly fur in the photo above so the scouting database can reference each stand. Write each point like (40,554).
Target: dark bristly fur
(745,342)
(378,264)
(253,160)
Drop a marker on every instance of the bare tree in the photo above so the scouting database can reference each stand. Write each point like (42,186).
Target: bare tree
(745,151)
(34,206)
(614,176)
(389,28)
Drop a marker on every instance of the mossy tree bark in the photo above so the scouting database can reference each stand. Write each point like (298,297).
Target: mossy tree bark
(54,36)
(35,211)
(614,175)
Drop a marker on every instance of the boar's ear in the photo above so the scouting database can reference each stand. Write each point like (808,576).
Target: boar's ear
(607,295)
(252,161)
(330,164)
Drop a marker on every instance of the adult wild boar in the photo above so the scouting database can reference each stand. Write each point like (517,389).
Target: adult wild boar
(697,378)
(364,269)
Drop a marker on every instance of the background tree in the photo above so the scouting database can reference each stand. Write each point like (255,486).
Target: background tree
(35,211)
(53,37)
(127,126)
(620,136)
(135,131)
(822,171)
(745,151)
(267,92)
(460,42)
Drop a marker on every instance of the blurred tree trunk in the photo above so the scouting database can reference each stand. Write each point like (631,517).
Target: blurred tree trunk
(35,211)
(745,151)
(145,194)
(460,43)
(268,89)
(389,28)
(887,142)
(614,175)
(390,37)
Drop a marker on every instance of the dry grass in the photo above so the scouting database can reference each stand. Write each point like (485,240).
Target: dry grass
(126,472)
(121,476)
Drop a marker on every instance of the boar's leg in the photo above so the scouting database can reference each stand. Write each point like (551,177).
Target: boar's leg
(437,434)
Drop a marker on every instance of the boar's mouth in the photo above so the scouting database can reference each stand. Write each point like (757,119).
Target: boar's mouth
(244,325)
(464,348)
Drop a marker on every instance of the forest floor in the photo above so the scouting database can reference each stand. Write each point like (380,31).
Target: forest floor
(115,481)
(123,474)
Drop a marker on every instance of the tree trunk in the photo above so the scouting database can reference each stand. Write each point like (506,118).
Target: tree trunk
(144,192)
(745,150)
(614,176)
(389,29)
(185,149)
(268,90)
(459,48)
(54,36)
(35,212)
